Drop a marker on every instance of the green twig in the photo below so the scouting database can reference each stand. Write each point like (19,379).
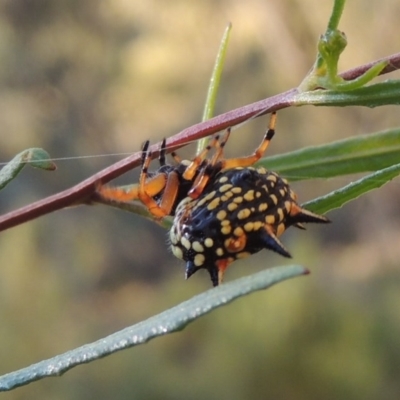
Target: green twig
(324,74)
(337,11)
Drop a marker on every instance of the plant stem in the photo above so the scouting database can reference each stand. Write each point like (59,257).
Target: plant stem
(336,14)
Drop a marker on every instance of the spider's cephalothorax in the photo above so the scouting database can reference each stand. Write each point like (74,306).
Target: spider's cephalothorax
(242,211)
(161,191)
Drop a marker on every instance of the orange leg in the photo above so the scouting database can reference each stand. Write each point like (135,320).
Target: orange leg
(203,178)
(165,185)
(198,160)
(153,186)
(204,175)
(220,147)
(119,194)
(170,187)
(258,153)
(176,157)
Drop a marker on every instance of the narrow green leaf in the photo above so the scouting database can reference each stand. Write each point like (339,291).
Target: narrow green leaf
(172,320)
(362,153)
(338,198)
(216,75)
(39,158)
(379,94)
(215,80)
(35,157)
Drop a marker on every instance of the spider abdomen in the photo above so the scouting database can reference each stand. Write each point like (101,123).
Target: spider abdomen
(242,211)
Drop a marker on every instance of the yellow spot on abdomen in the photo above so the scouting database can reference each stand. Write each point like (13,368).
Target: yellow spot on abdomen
(221,215)
(226,230)
(274,199)
(197,246)
(238,231)
(214,204)
(177,252)
(185,242)
(219,252)
(280,229)
(249,196)
(232,206)
(270,219)
(262,207)
(243,214)
(199,260)
(225,188)
(249,226)
(209,242)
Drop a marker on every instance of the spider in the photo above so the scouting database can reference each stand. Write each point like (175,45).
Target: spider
(224,209)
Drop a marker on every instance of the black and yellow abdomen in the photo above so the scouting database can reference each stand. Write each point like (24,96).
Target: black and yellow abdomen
(240,212)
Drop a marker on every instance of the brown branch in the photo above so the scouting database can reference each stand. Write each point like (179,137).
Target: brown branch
(85,191)
(82,192)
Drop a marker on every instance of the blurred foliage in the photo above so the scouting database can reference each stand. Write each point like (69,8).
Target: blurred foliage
(95,78)
(37,158)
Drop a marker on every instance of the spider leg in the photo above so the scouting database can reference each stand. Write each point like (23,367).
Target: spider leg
(170,194)
(119,194)
(145,150)
(201,181)
(220,147)
(153,186)
(163,148)
(176,157)
(192,168)
(258,153)
(170,185)
(205,173)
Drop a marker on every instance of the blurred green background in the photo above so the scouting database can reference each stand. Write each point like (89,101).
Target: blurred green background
(88,81)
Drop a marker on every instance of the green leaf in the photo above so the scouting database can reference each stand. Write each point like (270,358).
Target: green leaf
(216,75)
(338,198)
(215,81)
(172,320)
(379,94)
(35,157)
(357,154)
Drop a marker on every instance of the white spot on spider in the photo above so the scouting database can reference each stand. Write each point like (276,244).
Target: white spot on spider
(219,252)
(177,252)
(197,246)
(199,260)
(209,242)
(185,242)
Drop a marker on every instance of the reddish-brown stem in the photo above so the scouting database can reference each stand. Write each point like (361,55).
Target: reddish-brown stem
(85,191)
